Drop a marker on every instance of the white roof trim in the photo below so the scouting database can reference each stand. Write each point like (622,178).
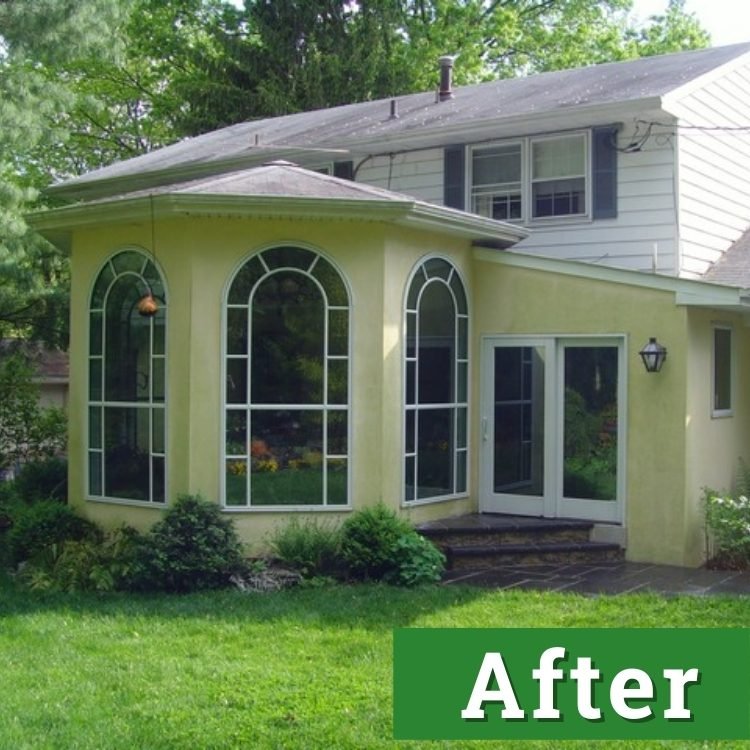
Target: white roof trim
(60,222)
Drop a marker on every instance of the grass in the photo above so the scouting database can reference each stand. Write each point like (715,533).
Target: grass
(309,668)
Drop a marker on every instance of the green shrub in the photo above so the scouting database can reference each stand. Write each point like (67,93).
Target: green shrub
(417,560)
(89,565)
(193,547)
(376,544)
(310,547)
(44,524)
(368,541)
(43,480)
(728,529)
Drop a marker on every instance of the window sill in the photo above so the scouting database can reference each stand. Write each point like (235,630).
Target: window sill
(722,414)
(433,500)
(286,509)
(125,501)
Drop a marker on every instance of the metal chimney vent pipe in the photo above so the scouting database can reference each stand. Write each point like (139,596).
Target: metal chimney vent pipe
(446,77)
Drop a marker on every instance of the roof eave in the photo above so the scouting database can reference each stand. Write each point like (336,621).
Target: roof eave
(58,224)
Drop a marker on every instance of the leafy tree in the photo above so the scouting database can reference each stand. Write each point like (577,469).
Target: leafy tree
(27,431)
(35,38)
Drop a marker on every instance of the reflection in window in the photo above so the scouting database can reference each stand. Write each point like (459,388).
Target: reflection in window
(126,436)
(590,422)
(287,382)
(436,372)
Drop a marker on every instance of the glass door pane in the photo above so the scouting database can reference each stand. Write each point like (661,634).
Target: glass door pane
(518,435)
(590,422)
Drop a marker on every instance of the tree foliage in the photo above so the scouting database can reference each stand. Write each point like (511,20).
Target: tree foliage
(84,83)
(27,431)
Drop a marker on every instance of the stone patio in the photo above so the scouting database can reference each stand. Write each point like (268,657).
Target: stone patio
(607,578)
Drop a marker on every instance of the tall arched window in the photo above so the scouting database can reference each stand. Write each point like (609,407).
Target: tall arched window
(127,376)
(287,382)
(436,372)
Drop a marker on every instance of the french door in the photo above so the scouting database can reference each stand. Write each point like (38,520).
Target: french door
(552,427)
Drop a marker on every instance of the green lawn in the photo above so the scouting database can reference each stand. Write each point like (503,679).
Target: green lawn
(299,669)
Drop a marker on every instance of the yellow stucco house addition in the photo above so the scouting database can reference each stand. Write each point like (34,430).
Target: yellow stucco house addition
(287,342)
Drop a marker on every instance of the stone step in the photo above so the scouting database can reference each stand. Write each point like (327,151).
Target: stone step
(479,557)
(550,532)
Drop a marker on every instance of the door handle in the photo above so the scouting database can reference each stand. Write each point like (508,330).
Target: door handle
(484,430)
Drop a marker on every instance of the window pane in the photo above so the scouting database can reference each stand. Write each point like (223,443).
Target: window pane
(237,442)
(236,482)
(95,379)
(245,280)
(338,433)
(459,293)
(95,473)
(95,333)
(461,421)
(338,332)
(436,344)
(95,427)
(558,157)
(409,478)
(153,279)
(337,481)
(157,420)
(127,342)
(411,334)
(237,381)
(288,257)
(159,388)
(411,417)
(518,440)
(414,289)
(334,287)
(338,381)
(411,382)
(590,422)
(237,330)
(126,453)
(157,463)
(496,165)
(287,459)
(559,197)
(128,261)
(722,369)
(288,317)
(159,330)
(100,288)
(435,447)
(463,338)
(437,268)
(461,458)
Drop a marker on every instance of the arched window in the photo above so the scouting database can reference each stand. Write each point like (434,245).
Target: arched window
(287,382)
(127,376)
(436,372)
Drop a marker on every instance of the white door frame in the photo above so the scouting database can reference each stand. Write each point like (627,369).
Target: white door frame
(551,503)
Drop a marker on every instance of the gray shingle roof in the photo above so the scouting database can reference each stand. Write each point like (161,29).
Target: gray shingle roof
(330,133)
(733,268)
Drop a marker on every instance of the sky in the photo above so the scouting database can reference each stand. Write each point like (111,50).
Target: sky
(728,21)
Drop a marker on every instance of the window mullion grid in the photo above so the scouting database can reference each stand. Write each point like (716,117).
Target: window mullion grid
(151,408)
(326,353)
(248,394)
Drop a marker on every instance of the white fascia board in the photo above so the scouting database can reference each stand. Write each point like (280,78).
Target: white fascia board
(688,292)
(57,222)
(673,97)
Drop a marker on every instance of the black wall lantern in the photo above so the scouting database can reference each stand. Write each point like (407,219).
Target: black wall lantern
(653,355)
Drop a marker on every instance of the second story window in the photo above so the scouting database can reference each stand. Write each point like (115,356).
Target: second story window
(531,179)
(558,176)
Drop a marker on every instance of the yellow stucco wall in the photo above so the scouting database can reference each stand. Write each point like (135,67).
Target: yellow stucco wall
(673,446)
(512,300)
(198,256)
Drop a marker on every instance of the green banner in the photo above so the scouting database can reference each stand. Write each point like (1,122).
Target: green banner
(571,683)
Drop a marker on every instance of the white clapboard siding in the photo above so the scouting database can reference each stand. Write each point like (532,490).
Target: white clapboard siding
(417,173)
(646,206)
(645,217)
(714,168)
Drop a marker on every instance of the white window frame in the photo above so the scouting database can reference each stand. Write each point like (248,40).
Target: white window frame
(527,181)
(455,405)
(103,404)
(323,408)
(717,412)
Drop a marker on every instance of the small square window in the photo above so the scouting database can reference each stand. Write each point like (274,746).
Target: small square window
(722,374)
